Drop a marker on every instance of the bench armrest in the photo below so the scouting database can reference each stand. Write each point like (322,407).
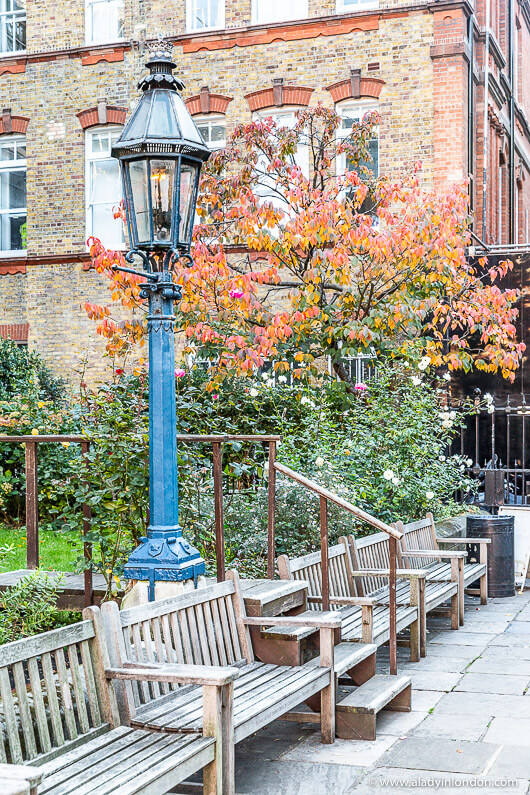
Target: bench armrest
(363,601)
(434,553)
(329,620)
(28,773)
(405,574)
(464,540)
(171,672)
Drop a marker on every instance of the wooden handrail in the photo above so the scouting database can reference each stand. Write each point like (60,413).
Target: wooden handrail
(394,535)
(32,441)
(329,495)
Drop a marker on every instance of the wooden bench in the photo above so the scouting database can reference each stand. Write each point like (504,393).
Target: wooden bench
(363,618)
(209,626)
(60,716)
(420,548)
(370,561)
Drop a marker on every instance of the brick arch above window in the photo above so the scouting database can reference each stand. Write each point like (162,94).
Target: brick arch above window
(206,102)
(356,87)
(278,95)
(101,114)
(10,125)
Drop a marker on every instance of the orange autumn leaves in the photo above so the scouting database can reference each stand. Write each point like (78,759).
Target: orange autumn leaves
(294,268)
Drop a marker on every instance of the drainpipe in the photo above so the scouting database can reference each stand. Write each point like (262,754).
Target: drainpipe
(471,108)
(485,129)
(513,88)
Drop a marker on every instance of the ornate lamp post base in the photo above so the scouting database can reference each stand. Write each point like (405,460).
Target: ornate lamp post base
(168,559)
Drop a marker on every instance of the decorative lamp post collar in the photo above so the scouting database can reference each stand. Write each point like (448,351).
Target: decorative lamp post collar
(161,153)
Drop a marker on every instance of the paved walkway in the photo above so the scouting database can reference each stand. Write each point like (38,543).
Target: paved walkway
(469,729)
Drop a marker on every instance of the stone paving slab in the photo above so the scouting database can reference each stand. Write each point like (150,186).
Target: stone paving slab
(399,723)
(467,727)
(425,700)
(504,666)
(453,756)
(462,638)
(515,652)
(513,761)
(263,777)
(343,752)
(493,683)
(399,781)
(513,640)
(426,680)
(509,731)
(444,665)
(496,705)
(466,653)
(519,627)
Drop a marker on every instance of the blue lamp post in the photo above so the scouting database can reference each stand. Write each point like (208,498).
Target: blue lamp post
(161,153)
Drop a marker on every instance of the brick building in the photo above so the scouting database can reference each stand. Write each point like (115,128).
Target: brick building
(68,75)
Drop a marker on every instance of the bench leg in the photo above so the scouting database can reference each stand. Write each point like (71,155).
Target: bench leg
(455,617)
(327,695)
(461,593)
(415,632)
(402,702)
(218,709)
(484,589)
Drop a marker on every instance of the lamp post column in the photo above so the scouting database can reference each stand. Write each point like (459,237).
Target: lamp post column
(164,555)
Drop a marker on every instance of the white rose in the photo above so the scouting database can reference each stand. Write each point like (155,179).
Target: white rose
(447,424)
(447,376)
(416,381)
(319,462)
(488,398)
(469,462)
(463,468)
(265,376)
(424,363)
(396,481)
(305,400)
(491,408)
(430,495)
(452,415)
(388,474)
(442,458)
(340,344)
(282,379)
(253,392)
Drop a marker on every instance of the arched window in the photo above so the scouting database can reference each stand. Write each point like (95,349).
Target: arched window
(13,213)
(104,20)
(103,187)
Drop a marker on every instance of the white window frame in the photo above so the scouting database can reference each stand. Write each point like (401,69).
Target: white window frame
(211,120)
(287,6)
(191,13)
(359,5)
(91,35)
(91,158)
(356,109)
(14,165)
(12,17)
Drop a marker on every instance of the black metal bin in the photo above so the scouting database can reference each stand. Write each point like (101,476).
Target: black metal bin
(501,561)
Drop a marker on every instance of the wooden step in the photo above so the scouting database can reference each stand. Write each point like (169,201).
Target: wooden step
(357,713)
(349,655)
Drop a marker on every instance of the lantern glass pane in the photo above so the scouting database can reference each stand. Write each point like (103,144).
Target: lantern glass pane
(163,123)
(187,210)
(136,127)
(162,185)
(140,199)
(188,129)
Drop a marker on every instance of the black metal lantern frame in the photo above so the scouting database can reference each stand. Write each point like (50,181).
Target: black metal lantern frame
(161,153)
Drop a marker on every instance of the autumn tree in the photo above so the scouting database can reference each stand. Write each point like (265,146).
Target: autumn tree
(294,264)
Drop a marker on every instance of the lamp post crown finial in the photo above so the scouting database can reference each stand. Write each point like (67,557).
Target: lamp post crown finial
(161,65)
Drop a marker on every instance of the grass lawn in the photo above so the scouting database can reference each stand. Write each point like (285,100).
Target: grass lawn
(57,552)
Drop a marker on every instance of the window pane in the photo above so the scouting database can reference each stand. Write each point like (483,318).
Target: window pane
(139,189)
(12,232)
(205,14)
(218,133)
(162,184)
(105,183)
(17,193)
(105,19)
(187,212)
(7,152)
(279,10)
(105,227)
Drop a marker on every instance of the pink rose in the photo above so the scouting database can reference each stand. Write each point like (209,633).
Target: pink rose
(180,373)
(215,397)
(361,387)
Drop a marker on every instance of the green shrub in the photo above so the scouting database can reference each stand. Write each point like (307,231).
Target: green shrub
(29,607)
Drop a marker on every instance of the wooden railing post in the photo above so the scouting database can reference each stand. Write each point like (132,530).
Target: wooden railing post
(271,526)
(219,517)
(87,548)
(32,507)
(392,604)
(324,552)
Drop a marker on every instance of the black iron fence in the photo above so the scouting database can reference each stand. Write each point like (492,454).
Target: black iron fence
(495,437)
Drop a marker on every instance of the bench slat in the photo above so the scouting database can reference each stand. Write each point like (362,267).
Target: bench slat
(19,650)
(38,704)
(10,719)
